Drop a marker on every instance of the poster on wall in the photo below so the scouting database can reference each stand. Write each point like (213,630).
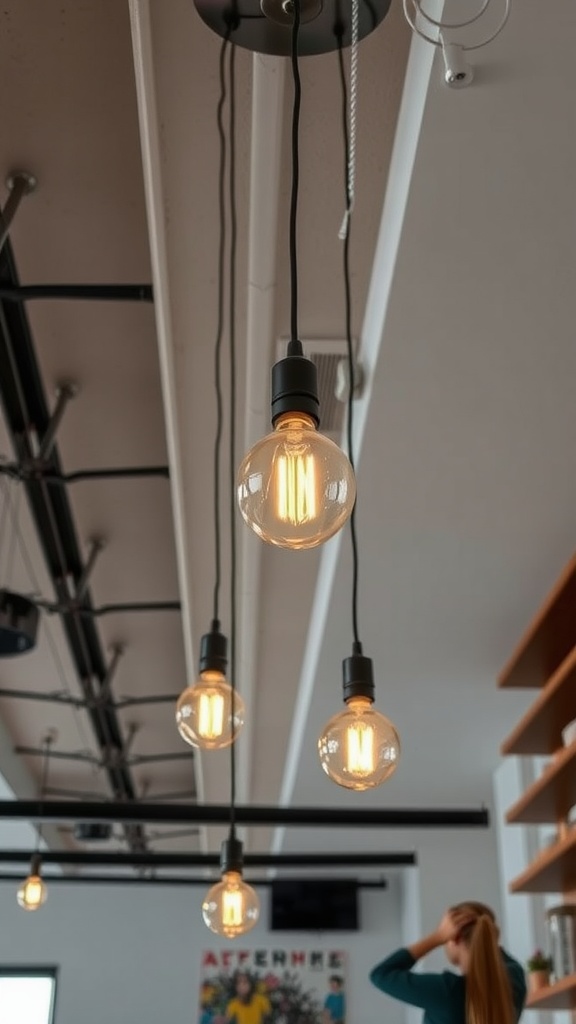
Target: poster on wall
(272,986)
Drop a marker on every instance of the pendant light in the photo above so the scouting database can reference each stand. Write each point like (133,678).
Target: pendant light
(359,747)
(33,892)
(295,487)
(231,907)
(208,715)
(204,713)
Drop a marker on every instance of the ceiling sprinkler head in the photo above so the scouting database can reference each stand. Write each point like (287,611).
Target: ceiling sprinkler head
(457,72)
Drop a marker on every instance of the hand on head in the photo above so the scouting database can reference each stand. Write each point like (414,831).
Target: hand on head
(453,924)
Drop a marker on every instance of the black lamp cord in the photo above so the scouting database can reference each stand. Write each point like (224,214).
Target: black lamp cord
(43,785)
(232,454)
(219,332)
(349,346)
(295,347)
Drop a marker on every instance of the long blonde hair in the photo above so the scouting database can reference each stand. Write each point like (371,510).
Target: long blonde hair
(488,989)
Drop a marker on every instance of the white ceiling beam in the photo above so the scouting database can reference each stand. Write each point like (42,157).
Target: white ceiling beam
(152,167)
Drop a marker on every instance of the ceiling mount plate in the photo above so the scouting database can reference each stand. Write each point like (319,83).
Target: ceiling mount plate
(265,26)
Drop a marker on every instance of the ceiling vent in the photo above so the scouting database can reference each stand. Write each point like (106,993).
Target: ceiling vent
(326,353)
(92,831)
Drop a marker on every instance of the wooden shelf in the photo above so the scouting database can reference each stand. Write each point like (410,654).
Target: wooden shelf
(549,638)
(540,730)
(553,870)
(559,996)
(551,797)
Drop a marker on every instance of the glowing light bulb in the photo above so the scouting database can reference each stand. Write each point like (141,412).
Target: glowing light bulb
(359,747)
(296,488)
(32,893)
(204,712)
(231,907)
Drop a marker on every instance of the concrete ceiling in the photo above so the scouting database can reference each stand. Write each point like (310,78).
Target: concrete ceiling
(464,239)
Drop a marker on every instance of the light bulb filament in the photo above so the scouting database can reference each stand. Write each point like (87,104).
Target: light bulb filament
(296,488)
(211,715)
(232,908)
(360,749)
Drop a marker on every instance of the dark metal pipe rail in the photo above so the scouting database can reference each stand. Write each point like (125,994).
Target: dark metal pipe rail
(176,880)
(94,292)
(108,609)
(66,699)
(36,470)
(212,860)
(216,814)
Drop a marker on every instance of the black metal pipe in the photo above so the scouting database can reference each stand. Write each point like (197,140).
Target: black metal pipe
(109,609)
(80,703)
(94,292)
(219,814)
(141,606)
(18,471)
(211,860)
(176,880)
(107,473)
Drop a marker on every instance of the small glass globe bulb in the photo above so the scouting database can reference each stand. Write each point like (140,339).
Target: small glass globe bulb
(359,747)
(32,893)
(296,488)
(204,712)
(231,907)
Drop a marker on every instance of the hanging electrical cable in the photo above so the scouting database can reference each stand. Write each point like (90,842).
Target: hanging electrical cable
(296,488)
(359,747)
(33,892)
(231,907)
(208,714)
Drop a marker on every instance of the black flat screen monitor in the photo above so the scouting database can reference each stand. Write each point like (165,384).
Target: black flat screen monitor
(314,904)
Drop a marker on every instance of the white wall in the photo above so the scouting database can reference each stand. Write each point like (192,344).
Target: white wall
(132,956)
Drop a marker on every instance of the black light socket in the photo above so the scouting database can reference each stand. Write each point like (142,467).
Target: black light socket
(231,854)
(295,386)
(35,864)
(214,650)
(357,675)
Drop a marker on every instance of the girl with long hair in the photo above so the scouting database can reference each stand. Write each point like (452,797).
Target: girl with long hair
(490,989)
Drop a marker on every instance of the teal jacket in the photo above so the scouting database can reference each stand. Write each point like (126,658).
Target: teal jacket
(441,996)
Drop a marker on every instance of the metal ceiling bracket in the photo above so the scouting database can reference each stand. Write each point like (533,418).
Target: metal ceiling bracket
(64,392)
(96,546)
(19,184)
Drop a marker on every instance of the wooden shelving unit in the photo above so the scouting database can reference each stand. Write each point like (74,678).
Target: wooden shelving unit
(559,996)
(551,797)
(548,639)
(540,730)
(546,660)
(553,870)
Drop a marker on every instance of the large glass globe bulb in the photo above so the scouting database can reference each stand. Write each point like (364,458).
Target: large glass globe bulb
(296,488)
(231,907)
(204,712)
(32,893)
(359,747)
